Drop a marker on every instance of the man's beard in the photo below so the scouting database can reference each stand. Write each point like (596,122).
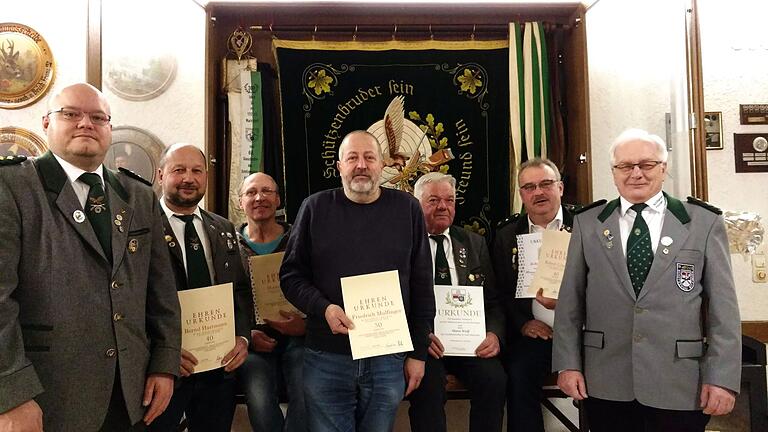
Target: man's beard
(177,200)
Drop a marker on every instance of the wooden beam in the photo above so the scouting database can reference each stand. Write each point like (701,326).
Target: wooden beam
(93,45)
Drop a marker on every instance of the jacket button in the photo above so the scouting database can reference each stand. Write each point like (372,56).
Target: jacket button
(638,337)
(111,352)
(117,317)
(638,310)
(115,285)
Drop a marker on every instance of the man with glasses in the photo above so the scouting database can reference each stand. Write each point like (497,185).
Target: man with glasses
(89,318)
(204,252)
(647,328)
(277,346)
(460,257)
(529,321)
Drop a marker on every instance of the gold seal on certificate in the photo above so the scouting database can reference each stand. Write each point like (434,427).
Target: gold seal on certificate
(268,298)
(459,319)
(374,303)
(551,265)
(208,324)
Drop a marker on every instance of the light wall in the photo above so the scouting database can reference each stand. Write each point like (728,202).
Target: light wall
(138,27)
(735,65)
(172,26)
(63,25)
(637,73)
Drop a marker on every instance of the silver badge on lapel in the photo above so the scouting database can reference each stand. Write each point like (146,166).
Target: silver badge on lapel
(685,277)
(169,240)
(463,257)
(133,246)
(665,251)
(609,238)
(666,241)
(78,216)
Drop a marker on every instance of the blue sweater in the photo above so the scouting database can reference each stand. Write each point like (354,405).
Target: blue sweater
(334,237)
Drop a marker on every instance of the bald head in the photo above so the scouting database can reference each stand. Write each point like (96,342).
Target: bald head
(77,125)
(259,198)
(183,176)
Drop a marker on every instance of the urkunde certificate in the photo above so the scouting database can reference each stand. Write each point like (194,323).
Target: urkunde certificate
(208,324)
(374,303)
(460,318)
(268,298)
(551,266)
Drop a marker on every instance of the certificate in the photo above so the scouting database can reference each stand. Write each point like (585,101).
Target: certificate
(268,298)
(528,258)
(551,265)
(208,324)
(374,303)
(459,319)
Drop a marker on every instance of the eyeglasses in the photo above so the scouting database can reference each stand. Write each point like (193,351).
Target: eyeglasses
(544,185)
(97,118)
(265,193)
(627,168)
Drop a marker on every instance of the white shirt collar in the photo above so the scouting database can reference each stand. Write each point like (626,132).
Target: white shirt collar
(554,224)
(656,203)
(169,213)
(74,173)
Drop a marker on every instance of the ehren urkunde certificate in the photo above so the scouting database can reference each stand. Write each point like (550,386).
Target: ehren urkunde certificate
(460,318)
(268,298)
(208,324)
(374,303)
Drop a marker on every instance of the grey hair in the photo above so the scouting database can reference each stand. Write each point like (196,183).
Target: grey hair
(345,141)
(538,162)
(631,135)
(172,147)
(433,177)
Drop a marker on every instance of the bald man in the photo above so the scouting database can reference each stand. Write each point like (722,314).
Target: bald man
(277,345)
(89,317)
(203,253)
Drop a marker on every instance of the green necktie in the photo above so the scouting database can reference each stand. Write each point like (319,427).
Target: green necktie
(198,274)
(639,251)
(442,271)
(97,210)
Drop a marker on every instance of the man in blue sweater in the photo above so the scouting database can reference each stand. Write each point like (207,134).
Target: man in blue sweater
(358,229)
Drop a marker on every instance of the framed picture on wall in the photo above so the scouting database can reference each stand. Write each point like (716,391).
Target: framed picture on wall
(713,129)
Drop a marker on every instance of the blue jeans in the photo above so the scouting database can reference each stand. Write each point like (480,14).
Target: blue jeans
(345,395)
(260,378)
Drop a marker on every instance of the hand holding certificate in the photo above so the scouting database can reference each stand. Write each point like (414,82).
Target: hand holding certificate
(208,324)
(460,319)
(551,266)
(268,298)
(374,303)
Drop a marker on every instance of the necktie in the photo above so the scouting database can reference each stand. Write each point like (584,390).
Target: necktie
(197,267)
(442,272)
(97,210)
(639,251)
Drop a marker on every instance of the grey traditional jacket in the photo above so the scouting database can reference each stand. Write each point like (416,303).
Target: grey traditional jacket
(70,320)
(683,329)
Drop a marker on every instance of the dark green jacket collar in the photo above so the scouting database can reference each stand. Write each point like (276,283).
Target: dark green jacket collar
(675,206)
(54,177)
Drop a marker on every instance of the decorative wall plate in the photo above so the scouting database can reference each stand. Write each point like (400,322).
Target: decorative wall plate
(139,78)
(27,68)
(137,150)
(20,141)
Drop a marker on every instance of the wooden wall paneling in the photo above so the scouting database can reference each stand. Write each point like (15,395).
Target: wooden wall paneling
(579,136)
(93,45)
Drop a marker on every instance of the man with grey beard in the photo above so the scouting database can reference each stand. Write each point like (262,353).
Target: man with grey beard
(334,237)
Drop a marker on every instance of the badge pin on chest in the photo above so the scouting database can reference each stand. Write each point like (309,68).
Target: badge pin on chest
(78,216)
(665,241)
(462,257)
(609,238)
